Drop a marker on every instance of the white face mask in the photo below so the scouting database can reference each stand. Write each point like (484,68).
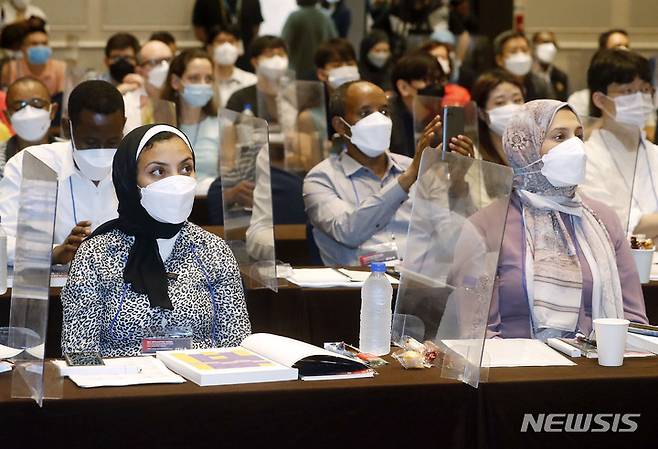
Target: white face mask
(499,117)
(519,63)
(633,109)
(158,75)
(341,75)
(566,163)
(445,65)
(546,52)
(95,164)
(31,123)
(372,134)
(169,200)
(378,58)
(225,54)
(273,67)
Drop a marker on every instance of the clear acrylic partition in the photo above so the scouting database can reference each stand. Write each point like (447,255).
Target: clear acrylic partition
(268,89)
(425,108)
(28,320)
(73,76)
(303,120)
(451,259)
(244,162)
(157,111)
(622,183)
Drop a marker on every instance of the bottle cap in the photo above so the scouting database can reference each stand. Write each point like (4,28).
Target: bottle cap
(378,267)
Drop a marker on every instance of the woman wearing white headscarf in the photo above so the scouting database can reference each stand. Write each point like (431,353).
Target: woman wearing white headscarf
(564,258)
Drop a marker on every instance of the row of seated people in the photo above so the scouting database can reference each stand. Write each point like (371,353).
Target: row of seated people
(358,197)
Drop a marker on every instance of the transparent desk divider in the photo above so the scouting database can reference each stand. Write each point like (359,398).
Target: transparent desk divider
(425,108)
(244,162)
(157,111)
(28,318)
(451,259)
(268,88)
(623,184)
(73,76)
(303,121)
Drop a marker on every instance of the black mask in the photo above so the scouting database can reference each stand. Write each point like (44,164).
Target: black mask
(120,69)
(433,90)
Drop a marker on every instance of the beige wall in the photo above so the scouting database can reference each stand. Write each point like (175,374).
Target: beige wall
(80,28)
(577,24)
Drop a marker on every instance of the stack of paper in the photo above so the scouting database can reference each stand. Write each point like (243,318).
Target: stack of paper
(139,370)
(330,277)
(511,352)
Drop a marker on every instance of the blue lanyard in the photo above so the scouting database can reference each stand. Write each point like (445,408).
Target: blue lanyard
(215,306)
(75,215)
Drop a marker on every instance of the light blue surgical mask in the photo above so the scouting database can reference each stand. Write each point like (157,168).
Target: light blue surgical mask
(39,54)
(197,95)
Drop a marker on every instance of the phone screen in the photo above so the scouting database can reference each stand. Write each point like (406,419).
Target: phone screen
(453,124)
(83,359)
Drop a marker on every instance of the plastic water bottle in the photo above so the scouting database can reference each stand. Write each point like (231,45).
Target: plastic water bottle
(248,111)
(376,296)
(3,260)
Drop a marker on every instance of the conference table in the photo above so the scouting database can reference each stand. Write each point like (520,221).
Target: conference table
(314,315)
(397,408)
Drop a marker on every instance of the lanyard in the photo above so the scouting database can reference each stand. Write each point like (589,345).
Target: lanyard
(215,305)
(75,215)
(621,173)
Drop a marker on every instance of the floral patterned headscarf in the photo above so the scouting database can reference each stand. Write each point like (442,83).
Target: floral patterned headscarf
(522,142)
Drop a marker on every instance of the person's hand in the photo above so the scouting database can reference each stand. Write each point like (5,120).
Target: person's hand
(130,82)
(462,145)
(432,129)
(63,254)
(242,194)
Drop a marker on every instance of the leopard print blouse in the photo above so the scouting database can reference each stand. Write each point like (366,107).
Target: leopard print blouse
(102,313)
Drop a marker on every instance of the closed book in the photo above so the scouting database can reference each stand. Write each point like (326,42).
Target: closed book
(225,366)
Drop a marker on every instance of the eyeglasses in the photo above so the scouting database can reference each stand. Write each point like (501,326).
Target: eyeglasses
(116,59)
(38,103)
(154,62)
(630,91)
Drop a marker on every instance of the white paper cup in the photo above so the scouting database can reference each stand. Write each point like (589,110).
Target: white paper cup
(643,259)
(610,340)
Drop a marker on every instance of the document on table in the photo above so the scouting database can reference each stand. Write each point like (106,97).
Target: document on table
(513,352)
(149,371)
(330,277)
(5,366)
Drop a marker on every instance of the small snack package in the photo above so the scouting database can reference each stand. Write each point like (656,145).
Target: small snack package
(409,359)
(415,354)
(640,241)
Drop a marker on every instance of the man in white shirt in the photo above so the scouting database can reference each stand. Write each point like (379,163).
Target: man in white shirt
(147,81)
(85,192)
(622,165)
(615,38)
(224,47)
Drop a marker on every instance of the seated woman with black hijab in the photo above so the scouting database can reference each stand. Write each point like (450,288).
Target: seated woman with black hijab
(151,270)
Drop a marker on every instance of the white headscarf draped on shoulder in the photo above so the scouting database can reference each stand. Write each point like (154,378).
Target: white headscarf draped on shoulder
(552,273)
